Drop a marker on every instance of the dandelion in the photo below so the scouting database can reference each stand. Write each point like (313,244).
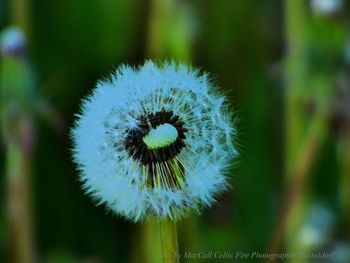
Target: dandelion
(326,7)
(154,140)
(12,41)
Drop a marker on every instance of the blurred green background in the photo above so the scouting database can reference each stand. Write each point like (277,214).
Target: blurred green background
(284,64)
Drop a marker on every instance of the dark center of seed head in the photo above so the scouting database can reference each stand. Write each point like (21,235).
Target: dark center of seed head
(158,138)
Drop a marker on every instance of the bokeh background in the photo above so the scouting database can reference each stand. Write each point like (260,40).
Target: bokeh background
(284,64)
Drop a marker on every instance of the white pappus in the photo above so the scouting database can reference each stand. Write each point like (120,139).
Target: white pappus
(154,140)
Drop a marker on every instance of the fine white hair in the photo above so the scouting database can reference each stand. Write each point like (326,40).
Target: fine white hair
(110,174)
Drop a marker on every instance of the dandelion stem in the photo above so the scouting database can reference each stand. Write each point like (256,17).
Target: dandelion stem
(152,252)
(344,162)
(299,176)
(17,127)
(18,210)
(20,14)
(306,130)
(169,241)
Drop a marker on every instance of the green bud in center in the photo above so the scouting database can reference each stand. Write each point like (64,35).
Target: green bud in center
(161,136)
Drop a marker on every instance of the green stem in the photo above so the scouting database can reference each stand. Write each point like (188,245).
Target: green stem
(20,14)
(151,234)
(293,199)
(296,77)
(344,161)
(19,204)
(305,131)
(169,241)
(168,33)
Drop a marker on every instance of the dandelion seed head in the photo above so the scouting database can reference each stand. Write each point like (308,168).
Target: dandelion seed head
(12,41)
(326,7)
(155,140)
